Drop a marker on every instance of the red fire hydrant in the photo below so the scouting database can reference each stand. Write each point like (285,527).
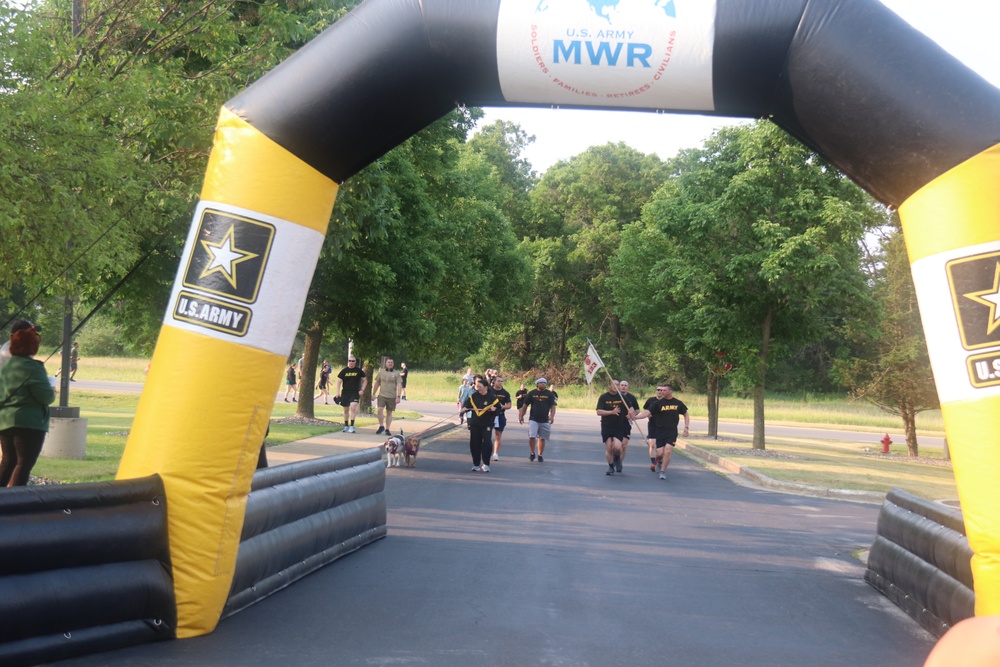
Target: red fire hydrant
(886,441)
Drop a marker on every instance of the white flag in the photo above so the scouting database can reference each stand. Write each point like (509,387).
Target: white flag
(591,363)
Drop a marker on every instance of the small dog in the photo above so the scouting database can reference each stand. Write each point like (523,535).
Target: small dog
(410,451)
(394,451)
(400,449)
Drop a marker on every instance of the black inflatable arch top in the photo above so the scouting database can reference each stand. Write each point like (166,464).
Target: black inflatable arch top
(849,78)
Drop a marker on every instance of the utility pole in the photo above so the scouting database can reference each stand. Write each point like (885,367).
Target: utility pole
(67,345)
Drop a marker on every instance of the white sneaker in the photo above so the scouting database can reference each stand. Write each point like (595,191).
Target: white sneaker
(347,429)
(352,429)
(475,468)
(485,468)
(663,475)
(496,457)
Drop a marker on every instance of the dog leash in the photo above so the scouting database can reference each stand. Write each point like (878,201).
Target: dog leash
(443,421)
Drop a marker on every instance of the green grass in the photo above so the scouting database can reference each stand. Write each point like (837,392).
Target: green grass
(109,418)
(105,369)
(841,465)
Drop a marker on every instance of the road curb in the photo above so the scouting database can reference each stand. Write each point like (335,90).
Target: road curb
(706,457)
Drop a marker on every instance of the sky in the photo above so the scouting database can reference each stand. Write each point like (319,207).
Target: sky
(965,28)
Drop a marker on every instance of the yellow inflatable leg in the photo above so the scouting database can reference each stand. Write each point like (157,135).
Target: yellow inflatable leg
(229,328)
(952,231)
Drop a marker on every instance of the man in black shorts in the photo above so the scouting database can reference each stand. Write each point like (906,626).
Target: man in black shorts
(613,412)
(632,407)
(351,382)
(500,420)
(664,412)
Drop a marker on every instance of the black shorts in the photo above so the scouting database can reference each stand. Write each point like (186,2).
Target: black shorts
(668,438)
(347,399)
(617,432)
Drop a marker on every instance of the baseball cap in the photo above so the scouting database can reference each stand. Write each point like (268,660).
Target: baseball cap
(540,380)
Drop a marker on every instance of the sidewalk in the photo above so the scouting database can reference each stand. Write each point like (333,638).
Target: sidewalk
(338,442)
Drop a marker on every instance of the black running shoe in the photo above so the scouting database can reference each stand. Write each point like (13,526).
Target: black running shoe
(540,459)
(531,457)
(381,430)
(618,464)
(610,472)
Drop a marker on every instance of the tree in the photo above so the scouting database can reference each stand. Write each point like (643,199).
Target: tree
(105,130)
(895,373)
(751,247)
(577,212)
(419,254)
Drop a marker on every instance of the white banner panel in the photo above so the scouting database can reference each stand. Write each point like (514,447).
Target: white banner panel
(959,296)
(650,54)
(244,277)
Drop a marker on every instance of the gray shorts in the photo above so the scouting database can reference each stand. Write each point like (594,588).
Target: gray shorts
(541,430)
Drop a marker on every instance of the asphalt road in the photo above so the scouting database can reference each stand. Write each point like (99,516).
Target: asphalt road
(557,564)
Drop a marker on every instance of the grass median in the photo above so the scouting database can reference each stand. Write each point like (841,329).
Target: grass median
(832,464)
(109,419)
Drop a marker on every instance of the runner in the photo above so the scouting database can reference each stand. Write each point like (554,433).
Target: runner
(543,413)
(664,412)
(632,403)
(500,421)
(614,414)
(353,381)
(481,407)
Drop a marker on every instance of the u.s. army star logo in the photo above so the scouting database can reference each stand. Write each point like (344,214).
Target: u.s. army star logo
(229,256)
(975,293)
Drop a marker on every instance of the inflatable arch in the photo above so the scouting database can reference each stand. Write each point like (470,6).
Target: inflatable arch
(849,78)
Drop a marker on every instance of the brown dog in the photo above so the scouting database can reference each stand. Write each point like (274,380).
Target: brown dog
(410,451)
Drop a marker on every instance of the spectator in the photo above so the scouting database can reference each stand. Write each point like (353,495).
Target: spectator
(25,396)
(464,390)
(389,389)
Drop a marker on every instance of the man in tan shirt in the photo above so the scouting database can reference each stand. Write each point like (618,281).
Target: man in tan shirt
(388,390)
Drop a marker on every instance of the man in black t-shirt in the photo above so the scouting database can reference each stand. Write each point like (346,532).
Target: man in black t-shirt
(632,404)
(351,382)
(664,412)
(500,420)
(613,411)
(542,404)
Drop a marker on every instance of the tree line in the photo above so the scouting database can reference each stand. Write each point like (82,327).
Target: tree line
(749,258)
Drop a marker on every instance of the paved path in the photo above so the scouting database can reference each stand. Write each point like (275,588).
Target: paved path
(557,564)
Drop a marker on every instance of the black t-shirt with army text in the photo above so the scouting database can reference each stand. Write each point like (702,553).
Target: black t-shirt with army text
(503,396)
(351,378)
(540,402)
(665,413)
(609,401)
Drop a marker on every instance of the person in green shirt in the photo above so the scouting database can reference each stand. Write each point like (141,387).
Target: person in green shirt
(25,396)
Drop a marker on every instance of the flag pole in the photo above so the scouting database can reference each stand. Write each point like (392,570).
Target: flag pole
(611,381)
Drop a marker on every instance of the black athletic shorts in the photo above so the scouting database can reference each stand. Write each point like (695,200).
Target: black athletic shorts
(347,399)
(612,432)
(668,438)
